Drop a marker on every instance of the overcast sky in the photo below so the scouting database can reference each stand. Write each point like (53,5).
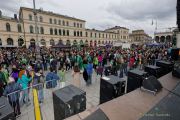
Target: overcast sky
(102,14)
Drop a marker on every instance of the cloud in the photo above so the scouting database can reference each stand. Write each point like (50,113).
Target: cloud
(143,9)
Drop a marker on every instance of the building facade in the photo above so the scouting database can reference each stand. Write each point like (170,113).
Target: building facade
(53,28)
(139,36)
(163,37)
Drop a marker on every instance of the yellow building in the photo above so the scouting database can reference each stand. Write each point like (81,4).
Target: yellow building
(53,28)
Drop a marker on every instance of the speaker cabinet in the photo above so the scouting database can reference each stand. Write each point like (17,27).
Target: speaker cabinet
(152,84)
(111,87)
(68,101)
(97,115)
(153,70)
(6,111)
(178,14)
(176,70)
(135,79)
(175,54)
(165,66)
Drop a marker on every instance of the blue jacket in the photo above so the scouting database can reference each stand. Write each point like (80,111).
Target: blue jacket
(89,68)
(24,81)
(51,80)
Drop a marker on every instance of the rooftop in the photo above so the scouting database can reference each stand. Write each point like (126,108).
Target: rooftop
(117,27)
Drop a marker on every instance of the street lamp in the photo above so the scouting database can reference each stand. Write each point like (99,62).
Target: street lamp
(36,31)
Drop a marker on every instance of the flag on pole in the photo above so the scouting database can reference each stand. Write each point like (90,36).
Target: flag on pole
(152,22)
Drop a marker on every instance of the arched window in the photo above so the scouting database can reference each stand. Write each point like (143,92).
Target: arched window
(0,42)
(81,33)
(67,32)
(63,23)
(50,20)
(31,28)
(74,33)
(60,33)
(32,43)
(74,42)
(19,28)
(55,31)
(81,42)
(77,33)
(42,30)
(64,32)
(30,17)
(8,27)
(51,31)
(68,42)
(20,42)
(52,42)
(9,41)
(43,42)
(41,19)
(74,24)
(55,21)
(59,22)
(86,34)
(67,23)
(78,25)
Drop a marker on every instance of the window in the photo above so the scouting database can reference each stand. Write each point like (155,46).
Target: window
(78,25)
(8,27)
(67,23)
(60,32)
(0,42)
(19,28)
(63,23)
(20,42)
(78,33)
(74,33)
(95,35)
(51,31)
(81,33)
(99,35)
(52,42)
(67,32)
(106,35)
(59,22)
(41,19)
(55,21)
(50,21)
(64,32)
(103,35)
(43,42)
(86,34)
(9,41)
(38,30)
(74,24)
(30,17)
(31,28)
(91,34)
(42,30)
(55,31)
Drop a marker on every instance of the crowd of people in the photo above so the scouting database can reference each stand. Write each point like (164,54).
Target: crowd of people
(20,69)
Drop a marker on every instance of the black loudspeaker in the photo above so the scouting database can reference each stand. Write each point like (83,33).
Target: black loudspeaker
(135,79)
(111,87)
(175,54)
(153,70)
(176,70)
(97,115)
(152,84)
(68,101)
(107,70)
(165,66)
(6,111)
(178,14)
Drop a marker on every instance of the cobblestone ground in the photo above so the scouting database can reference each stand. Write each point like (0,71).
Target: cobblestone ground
(92,95)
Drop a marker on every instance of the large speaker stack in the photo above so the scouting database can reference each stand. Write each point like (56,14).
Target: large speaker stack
(135,79)
(178,14)
(68,101)
(6,111)
(153,70)
(175,53)
(165,66)
(111,87)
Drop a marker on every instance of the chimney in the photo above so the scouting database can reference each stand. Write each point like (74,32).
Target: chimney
(15,16)
(0,13)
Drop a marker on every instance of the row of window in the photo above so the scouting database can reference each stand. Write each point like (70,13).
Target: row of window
(8,27)
(11,42)
(101,35)
(55,21)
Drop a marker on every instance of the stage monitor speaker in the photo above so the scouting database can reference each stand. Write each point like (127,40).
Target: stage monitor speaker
(68,101)
(153,70)
(176,70)
(97,115)
(165,66)
(152,84)
(6,111)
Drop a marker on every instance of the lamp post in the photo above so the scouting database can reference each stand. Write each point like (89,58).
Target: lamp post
(36,31)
